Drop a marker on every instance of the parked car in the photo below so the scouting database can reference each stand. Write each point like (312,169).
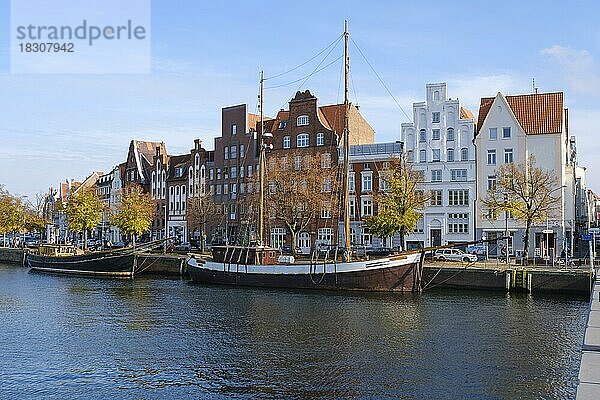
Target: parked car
(453,255)
(378,251)
(185,246)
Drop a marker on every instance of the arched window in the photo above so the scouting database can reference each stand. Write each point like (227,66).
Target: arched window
(164,184)
(422,156)
(436,95)
(450,155)
(320,139)
(450,134)
(464,154)
(302,120)
(422,136)
(302,140)
(197,161)
(153,184)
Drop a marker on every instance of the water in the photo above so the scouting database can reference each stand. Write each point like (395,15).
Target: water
(70,337)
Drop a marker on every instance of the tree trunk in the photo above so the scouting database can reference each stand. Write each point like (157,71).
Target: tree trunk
(85,240)
(402,239)
(526,244)
(202,239)
(293,246)
(133,238)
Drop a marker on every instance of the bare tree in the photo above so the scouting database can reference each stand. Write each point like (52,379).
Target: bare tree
(201,212)
(300,189)
(525,191)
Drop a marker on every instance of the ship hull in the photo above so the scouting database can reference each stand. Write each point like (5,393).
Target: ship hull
(400,274)
(100,264)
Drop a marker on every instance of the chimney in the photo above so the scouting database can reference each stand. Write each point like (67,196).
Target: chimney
(197,144)
(158,150)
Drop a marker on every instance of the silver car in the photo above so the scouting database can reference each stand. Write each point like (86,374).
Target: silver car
(453,255)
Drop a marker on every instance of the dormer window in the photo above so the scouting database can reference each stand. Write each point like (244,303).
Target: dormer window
(302,120)
(233,129)
(282,125)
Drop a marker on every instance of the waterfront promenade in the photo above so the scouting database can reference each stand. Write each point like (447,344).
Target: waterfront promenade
(589,372)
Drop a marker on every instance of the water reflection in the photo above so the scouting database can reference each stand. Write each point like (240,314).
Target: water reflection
(97,338)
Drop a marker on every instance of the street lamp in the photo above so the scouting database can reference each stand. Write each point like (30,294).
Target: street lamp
(506,226)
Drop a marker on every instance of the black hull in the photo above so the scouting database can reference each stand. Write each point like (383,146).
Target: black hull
(100,264)
(400,278)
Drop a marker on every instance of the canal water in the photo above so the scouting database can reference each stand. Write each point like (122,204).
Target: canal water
(71,337)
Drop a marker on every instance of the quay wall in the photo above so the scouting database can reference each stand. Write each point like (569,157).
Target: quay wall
(158,264)
(515,279)
(11,256)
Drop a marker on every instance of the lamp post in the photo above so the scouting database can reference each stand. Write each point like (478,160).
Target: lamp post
(165,228)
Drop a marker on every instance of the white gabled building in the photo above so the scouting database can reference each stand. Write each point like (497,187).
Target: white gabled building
(440,144)
(510,129)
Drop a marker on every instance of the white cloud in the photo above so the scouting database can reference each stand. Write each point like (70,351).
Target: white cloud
(470,89)
(578,68)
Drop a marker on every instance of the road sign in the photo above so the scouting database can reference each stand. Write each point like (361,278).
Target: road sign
(587,236)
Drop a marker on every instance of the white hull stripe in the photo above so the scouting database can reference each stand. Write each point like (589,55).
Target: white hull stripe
(81,272)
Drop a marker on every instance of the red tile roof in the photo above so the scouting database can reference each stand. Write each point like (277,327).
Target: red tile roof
(466,114)
(537,113)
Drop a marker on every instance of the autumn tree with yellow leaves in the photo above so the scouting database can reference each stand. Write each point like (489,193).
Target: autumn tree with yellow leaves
(133,214)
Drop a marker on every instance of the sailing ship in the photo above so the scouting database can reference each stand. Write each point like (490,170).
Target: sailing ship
(260,265)
(68,259)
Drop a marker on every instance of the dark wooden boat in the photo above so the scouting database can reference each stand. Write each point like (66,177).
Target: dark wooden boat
(65,260)
(395,273)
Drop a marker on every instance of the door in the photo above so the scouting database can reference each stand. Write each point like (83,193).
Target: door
(303,242)
(435,237)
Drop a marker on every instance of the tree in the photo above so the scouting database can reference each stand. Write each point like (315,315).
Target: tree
(83,210)
(400,205)
(202,211)
(525,191)
(299,190)
(134,212)
(11,215)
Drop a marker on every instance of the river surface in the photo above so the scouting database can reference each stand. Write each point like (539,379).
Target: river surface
(71,337)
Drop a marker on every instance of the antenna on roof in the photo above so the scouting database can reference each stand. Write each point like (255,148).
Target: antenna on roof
(535,90)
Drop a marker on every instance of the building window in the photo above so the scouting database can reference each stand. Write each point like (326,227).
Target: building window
(493,133)
(277,237)
(352,208)
(326,188)
(242,151)
(302,140)
(320,139)
(297,163)
(226,153)
(491,182)
(491,157)
(436,95)
(450,134)
(302,120)
(464,154)
(282,125)
(326,211)
(506,133)
(326,160)
(436,175)
(383,182)
(435,117)
(233,172)
(422,156)
(450,156)
(422,136)
(233,151)
(436,197)
(458,197)
(325,235)
(219,189)
(411,156)
(435,134)
(436,155)
(249,171)
(367,182)
(458,223)
(367,207)
(458,175)
(508,156)
(287,142)
(233,129)
(351,182)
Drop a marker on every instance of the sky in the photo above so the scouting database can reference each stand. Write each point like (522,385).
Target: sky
(207,55)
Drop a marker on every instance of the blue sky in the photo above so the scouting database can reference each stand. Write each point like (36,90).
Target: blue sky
(207,55)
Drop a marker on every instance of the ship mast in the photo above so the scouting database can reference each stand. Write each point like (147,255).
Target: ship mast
(261,163)
(346,147)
